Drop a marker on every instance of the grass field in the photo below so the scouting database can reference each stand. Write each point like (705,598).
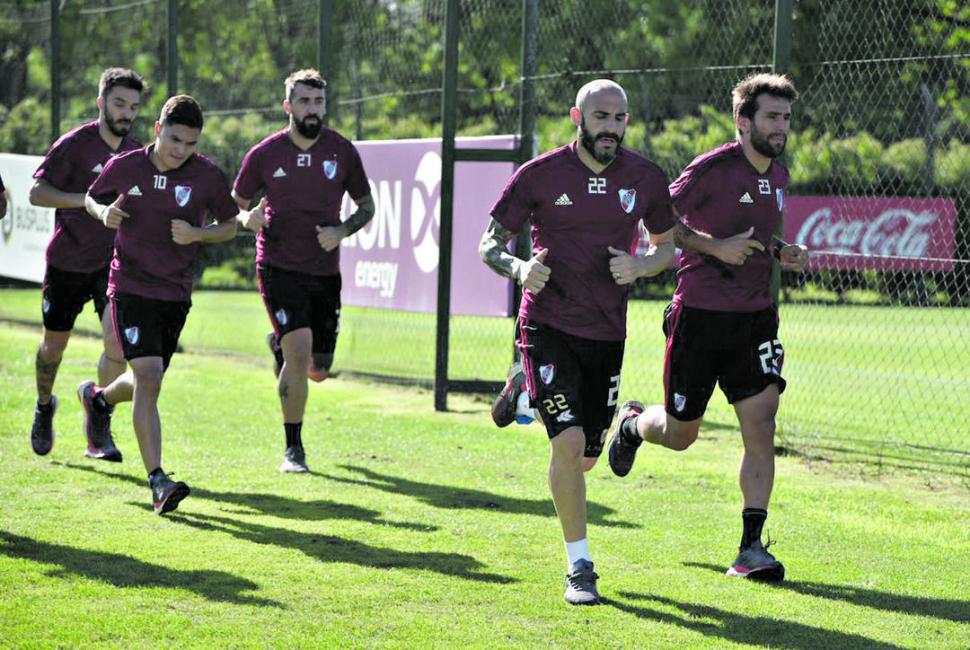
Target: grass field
(421,529)
(886,386)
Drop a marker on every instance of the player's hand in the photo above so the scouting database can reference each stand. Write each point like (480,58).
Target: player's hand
(533,275)
(183,233)
(623,267)
(112,215)
(330,236)
(737,249)
(794,257)
(254,219)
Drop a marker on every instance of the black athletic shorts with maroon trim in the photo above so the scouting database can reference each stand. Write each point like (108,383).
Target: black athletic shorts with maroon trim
(65,293)
(573,381)
(739,350)
(147,327)
(297,300)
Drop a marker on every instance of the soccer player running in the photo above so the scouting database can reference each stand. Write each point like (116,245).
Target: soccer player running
(157,199)
(722,326)
(79,253)
(584,201)
(303,171)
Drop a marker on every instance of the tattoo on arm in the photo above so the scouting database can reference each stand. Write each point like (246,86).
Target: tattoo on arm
(683,235)
(493,249)
(360,218)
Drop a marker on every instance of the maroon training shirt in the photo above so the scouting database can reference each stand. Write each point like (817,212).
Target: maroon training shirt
(577,215)
(304,189)
(146,261)
(722,194)
(80,243)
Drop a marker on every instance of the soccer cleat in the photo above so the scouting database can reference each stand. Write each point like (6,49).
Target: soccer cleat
(97,427)
(756,563)
(277,351)
(166,494)
(294,460)
(581,585)
(505,405)
(622,451)
(42,431)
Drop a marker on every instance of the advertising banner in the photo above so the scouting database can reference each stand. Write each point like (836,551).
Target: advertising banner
(26,229)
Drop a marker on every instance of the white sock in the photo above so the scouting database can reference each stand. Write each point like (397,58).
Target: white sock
(523,406)
(578,550)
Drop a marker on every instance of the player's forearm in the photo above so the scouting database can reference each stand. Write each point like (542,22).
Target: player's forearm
(217,232)
(93,208)
(45,195)
(656,259)
(360,218)
(493,249)
(692,241)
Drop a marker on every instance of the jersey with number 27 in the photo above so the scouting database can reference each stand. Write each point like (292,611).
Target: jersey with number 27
(304,189)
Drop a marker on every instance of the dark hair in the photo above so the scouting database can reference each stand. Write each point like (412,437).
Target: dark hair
(114,77)
(307,77)
(182,109)
(746,93)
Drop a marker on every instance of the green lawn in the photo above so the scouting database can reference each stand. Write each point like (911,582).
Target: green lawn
(422,529)
(887,386)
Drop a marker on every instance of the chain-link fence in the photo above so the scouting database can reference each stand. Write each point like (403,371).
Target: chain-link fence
(877,345)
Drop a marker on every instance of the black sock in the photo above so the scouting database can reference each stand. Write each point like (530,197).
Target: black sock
(753,519)
(101,403)
(154,475)
(46,408)
(293,434)
(628,429)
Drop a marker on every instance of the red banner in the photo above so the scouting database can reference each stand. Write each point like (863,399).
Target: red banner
(883,234)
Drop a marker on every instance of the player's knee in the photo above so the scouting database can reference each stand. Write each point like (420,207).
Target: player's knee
(52,349)
(589,463)
(317,375)
(320,367)
(568,446)
(680,440)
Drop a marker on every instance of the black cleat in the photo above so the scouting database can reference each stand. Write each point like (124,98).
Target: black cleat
(581,585)
(166,494)
(42,431)
(294,461)
(97,427)
(622,451)
(504,407)
(277,351)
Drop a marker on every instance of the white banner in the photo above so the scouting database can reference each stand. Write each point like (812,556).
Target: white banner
(26,229)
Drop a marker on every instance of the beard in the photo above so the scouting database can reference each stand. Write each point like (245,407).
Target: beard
(588,141)
(761,143)
(309,127)
(120,128)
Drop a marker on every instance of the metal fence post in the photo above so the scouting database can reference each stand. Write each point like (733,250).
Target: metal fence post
(781,62)
(172,59)
(55,70)
(448,126)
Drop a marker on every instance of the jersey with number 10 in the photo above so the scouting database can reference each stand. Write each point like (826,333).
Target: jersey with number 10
(578,215)
(304,189)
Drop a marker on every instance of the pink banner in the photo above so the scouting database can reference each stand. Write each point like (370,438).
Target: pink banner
(883,234)
(393,262)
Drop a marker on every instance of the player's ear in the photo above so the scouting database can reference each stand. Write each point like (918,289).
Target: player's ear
(742,124)
(158,129)
(286,106)
(100,103)
(627,122)
(576,116)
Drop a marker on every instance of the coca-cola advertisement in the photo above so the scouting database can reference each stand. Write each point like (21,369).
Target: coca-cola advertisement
(884,234)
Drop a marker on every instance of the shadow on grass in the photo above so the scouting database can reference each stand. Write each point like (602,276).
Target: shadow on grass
(448,497)
(124,571)
(328,548)
(951,610)
(740,628)
(274,504)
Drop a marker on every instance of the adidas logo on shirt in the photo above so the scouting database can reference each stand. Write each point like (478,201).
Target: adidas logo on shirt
(279,173)
(97,168)
(745,198)
(563,200)
(134,191)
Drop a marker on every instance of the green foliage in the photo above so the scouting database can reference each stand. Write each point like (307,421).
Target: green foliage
(26,128)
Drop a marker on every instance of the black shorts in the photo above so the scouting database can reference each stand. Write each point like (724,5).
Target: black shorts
(573,381)
(65,293)
(147,327)
(738,350)
(297,300)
